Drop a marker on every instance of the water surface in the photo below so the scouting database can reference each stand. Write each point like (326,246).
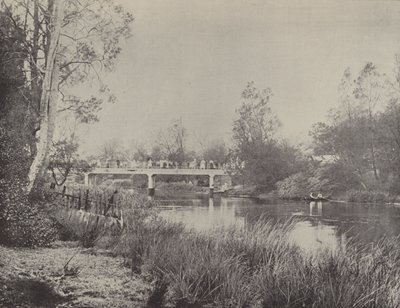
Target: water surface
(319,225)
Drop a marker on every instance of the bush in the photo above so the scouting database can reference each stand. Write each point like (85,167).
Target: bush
(142,227)
(365,196)
(23,222)
(293,187)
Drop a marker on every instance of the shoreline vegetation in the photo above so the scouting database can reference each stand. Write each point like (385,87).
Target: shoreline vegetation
(169,265)
(257,266)
(168,190)
(349,196)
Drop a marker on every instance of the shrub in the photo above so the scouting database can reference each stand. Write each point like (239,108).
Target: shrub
(293,187)
(23,222)
(142,228)
(364,196)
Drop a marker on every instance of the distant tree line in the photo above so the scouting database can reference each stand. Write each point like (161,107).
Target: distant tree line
(363,131)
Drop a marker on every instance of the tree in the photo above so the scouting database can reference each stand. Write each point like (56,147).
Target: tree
(256,147)
(64,160)
(48,100)
(87,39)
(111,149)
(256,124)
(172,141)
(216,151)
(353,129)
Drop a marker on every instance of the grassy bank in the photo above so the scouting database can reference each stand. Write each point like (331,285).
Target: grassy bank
(257,266)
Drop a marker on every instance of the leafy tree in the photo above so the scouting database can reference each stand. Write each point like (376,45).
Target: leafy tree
(172,142)
(216,151)
(65,46)
(353,132)
(256,124)
(111,149)
(264,159)
(64,160)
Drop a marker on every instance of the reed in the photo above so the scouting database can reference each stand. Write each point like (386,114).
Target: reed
(254,266)
(259,266)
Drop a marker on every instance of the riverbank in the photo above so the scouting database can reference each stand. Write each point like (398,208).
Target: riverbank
(156,263)
(42,277)
(376,197)
(258,266)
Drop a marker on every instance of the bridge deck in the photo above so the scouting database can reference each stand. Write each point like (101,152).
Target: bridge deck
(159,171)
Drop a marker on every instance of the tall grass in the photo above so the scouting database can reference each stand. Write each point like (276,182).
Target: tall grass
(255,266)
(259,267)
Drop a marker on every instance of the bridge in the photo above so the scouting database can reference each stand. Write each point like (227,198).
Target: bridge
(90,177)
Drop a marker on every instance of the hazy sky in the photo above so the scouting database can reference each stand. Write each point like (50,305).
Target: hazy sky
(191,60)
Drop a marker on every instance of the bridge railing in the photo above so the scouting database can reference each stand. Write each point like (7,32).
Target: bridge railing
(164,166)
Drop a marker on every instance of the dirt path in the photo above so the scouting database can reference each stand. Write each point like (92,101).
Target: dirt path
(36,278)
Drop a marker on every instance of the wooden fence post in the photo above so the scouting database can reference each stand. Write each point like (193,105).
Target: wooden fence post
(87,200)
(79,199)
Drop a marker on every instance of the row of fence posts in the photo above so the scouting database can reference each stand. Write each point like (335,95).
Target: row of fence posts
(101,207)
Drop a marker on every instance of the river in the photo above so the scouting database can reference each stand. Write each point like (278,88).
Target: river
(317,225)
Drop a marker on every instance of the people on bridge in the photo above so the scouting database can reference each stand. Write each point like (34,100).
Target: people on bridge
(149,163)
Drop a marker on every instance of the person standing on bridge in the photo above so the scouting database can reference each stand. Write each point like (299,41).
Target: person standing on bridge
(149,162)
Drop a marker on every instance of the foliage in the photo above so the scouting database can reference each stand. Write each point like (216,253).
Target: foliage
(363,130)
(23,222)
(216,151)
(327,179)
(141,227)
(293,187)
(172,142)
(256,123)
(90,40)
(363,196)
(262,159)
(64,160)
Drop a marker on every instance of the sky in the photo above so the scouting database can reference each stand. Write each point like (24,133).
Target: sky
(192,59)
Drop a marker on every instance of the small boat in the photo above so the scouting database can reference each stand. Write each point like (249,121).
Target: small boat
(319,197)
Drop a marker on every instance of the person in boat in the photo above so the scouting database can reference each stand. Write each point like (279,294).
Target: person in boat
(319,196)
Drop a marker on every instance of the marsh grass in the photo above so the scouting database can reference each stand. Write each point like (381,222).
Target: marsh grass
(259,266)
(253,266)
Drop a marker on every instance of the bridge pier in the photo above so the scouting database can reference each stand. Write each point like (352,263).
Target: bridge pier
(211,185)
(90,179)
(151,185)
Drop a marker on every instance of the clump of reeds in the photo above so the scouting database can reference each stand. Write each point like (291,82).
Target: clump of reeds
(254,266)
(245,267)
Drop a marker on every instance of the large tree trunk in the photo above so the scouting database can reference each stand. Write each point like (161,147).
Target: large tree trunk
(48,100)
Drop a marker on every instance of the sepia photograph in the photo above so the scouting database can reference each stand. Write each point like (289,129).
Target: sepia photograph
(200,153)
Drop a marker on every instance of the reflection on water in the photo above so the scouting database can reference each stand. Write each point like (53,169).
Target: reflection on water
(316,208)
(205,216)
(319,224)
